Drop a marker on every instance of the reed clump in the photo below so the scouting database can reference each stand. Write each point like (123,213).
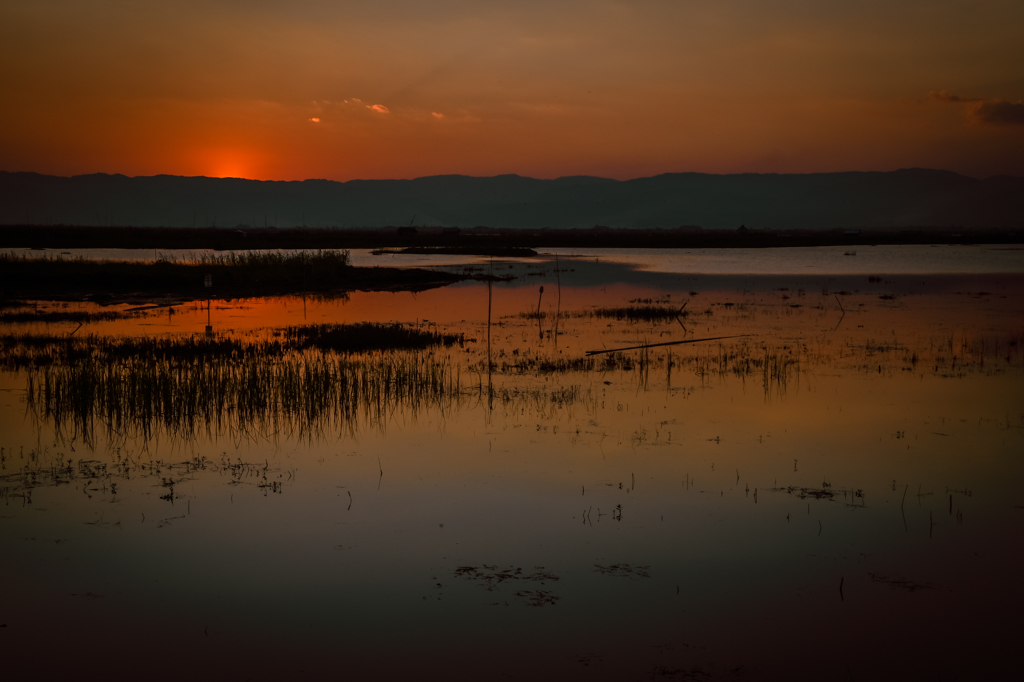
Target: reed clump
(251,396)
(245,270)
(57,316)
(232,275)
(472,250)
(22,351)
(25,351)
(307,380)
(633,313)
(367,336)
(641,313)
(276,263)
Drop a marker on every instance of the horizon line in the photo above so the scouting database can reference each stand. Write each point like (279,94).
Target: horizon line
(517,175)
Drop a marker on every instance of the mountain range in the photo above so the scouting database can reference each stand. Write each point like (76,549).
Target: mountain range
(850,200)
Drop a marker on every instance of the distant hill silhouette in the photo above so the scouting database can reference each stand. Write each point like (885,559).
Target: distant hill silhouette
(912,197)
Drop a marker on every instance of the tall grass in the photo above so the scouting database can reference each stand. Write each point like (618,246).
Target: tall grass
(366,336)
(252,396)
(21,351)
(641,313)
(233,275)
(57,316)
(309,380)
(634,313)
(269,261)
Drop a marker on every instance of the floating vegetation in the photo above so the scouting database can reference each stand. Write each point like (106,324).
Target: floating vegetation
(538,598)
(667,673)
(900,583)
(825,492)
(490,577)
(101,479)
(624,570)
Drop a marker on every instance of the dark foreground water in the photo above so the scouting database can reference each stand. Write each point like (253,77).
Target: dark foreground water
(837,492)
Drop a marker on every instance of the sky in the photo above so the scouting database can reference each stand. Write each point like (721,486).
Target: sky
(545,88)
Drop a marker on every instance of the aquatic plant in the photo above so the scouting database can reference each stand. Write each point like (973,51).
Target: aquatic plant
(232,275)
(634,313)
(269,262)
(56,316)
(366,336)
(248,396)
(19,351)
(641,313)
(306,380)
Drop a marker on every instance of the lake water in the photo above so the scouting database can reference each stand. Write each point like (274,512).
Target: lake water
(928,259)
(833,489)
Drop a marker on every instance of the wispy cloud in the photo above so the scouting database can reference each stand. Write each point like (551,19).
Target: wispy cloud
(998,111)
(946,96)
(984,111)
(436,114)
(315,119)
(379,108)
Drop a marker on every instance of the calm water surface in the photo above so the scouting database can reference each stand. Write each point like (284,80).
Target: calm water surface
(834,490)
(928,259)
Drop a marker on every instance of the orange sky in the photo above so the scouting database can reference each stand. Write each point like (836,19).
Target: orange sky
(399,88)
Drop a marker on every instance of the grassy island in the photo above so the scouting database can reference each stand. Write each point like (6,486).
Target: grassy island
(230,276)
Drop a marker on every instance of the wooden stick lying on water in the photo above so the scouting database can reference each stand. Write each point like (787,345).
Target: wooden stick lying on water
(665,343)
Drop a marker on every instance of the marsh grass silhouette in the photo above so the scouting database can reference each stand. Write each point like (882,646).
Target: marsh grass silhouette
(634,313)
(20,351)
(55,316)
(308,380)
(645,313)
(366,336)
(233,275)
(249,396)
(777,367)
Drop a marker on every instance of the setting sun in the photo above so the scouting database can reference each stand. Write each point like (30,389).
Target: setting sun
(231,164)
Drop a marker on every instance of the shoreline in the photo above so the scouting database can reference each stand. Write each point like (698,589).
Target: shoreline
(223,278)
(480,239)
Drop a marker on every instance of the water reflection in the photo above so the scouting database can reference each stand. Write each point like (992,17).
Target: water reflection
(840,475)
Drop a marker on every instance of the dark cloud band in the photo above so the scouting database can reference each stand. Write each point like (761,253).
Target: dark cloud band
(985,111)
(999,112)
